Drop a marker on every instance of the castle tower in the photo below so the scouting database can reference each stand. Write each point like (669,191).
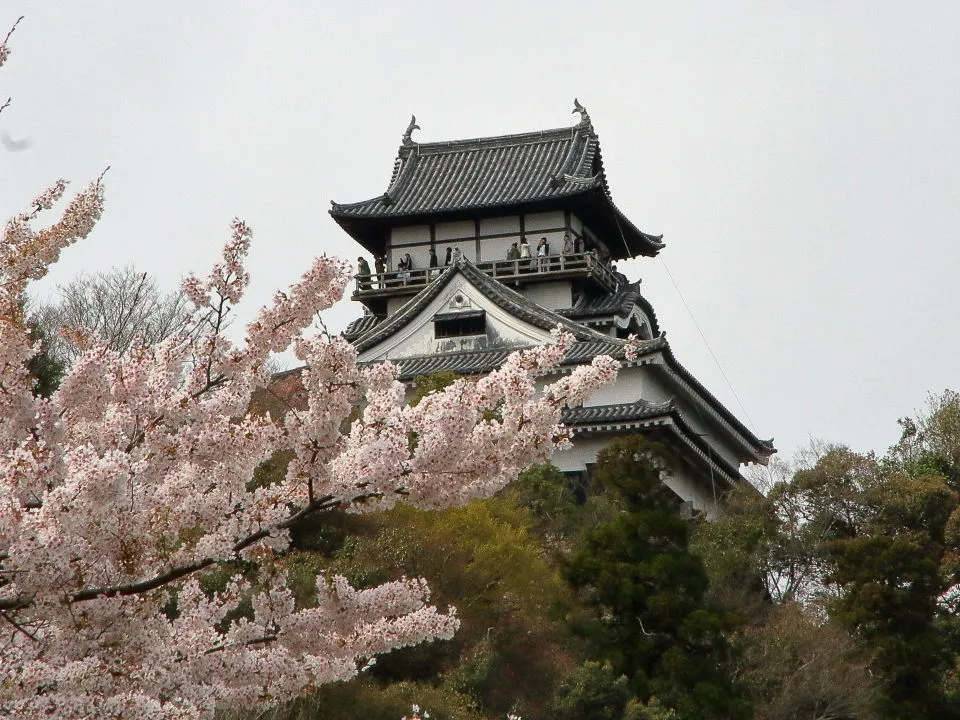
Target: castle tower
(473,204)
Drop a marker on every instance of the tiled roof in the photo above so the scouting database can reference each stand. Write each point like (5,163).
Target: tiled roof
(505,170)
(359,326)
(590,343)
(499,172)
(616,304)
(482,361)
(623,412)
(663,417)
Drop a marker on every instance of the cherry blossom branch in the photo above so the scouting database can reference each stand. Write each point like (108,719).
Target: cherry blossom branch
(5,48)
(246,643)
(321,504)
(18,626)
(141,464)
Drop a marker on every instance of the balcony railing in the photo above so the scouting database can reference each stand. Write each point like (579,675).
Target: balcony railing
(399,282)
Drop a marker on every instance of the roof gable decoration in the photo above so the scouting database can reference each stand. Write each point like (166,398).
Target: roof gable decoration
(407,134)
(512,302)
(459,298)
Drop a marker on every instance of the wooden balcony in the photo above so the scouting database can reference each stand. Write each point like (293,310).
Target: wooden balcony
(585,266)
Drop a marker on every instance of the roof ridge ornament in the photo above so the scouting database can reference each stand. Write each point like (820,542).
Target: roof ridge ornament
(584,115)
(407,139)
(589,180)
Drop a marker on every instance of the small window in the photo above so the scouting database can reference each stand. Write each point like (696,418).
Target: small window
(451,325)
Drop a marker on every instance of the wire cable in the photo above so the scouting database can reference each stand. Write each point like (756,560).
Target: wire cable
(705,342)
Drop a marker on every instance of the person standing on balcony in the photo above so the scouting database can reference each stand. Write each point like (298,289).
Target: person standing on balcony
(543,249)
(567,244)
(363,274)
(405,266)
(449,259)
(381,267)
(514,254)
(432,254)
(525,252)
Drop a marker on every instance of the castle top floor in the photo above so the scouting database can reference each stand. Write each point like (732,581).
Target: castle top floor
(476,193)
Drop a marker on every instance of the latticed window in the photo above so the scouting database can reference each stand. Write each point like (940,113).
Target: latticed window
(472,322)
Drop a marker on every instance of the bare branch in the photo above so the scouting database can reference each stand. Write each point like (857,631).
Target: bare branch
(115,309)
(18,626)
(10,32)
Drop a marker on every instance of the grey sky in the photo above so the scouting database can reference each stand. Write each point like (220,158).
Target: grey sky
(801,159)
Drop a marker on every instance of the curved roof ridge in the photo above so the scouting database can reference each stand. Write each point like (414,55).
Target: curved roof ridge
(762,448)
(560,133)
(617,304)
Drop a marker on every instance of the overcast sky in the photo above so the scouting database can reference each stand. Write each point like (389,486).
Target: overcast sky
(801,159)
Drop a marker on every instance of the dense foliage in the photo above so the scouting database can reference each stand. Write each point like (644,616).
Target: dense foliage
(832,596)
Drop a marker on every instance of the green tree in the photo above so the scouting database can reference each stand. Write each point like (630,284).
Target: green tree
(881,535)
(550,498)
(46,370)
(652,622)
(423,385)
(593,691)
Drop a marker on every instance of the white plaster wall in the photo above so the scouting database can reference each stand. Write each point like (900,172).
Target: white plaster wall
(411,234)
(543,221)
(688,490)
(467,247)
(633,383)
(455,230)
(496,248)
(587,446)
(584,450)
(551,295)
(497,225)
(395,303)
(419,255)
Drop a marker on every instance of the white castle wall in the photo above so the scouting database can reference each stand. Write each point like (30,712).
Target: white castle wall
(496,235)
(551,295)
(584,452)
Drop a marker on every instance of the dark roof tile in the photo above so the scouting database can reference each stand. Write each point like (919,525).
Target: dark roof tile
(498,172)
(361,325)
(623,412)
(505,170)
(616,304)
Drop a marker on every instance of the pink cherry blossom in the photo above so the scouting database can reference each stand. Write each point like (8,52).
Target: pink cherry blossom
(132,481)
(119,492)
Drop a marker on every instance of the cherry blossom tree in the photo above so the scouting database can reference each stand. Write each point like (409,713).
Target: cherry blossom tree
(128,486)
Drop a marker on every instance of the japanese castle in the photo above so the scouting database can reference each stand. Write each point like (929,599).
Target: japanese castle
(455,289)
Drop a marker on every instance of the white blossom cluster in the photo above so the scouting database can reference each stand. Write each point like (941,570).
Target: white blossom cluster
(121,491)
